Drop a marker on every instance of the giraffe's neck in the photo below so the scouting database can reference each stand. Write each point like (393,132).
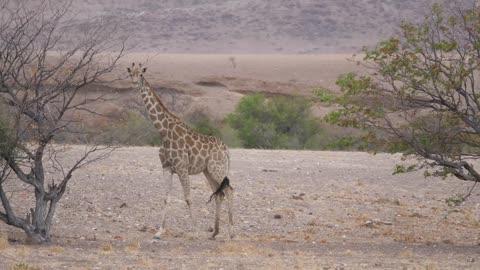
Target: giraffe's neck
(163,119)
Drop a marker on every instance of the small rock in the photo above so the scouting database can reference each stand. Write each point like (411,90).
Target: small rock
(277,216)
(470,260)
(123,205)
(143,229)
(387,222)
(369,224)
(295,197)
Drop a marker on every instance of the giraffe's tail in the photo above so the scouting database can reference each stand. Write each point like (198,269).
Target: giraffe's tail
(221,190)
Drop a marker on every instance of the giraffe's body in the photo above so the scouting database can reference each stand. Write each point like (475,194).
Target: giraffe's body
(185,152)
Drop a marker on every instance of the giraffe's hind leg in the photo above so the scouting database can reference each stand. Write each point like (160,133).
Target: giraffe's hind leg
(229,194)
(215,184)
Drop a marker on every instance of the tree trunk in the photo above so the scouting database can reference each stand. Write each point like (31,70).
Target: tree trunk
(40,212)
(42,216)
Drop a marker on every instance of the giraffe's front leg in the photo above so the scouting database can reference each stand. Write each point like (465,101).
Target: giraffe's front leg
(165,206)
(185,181)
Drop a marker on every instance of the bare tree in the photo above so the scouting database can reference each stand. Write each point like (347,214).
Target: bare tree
(42,78)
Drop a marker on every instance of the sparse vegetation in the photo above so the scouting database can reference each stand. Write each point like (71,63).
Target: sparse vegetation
(39,89)
(132,129)
(421,98)
(24,266)
(273,123)
(133,246)
(201,123)
(106,249)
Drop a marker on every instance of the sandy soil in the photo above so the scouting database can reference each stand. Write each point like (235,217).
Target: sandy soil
(293,210)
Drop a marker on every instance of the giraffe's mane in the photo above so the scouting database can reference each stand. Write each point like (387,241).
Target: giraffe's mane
(159,101)
(157,98)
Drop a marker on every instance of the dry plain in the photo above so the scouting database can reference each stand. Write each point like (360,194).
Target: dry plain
(293,209)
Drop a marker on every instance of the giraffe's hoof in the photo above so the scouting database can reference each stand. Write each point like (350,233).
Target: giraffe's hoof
(213,236)
(158,236)
(157,239)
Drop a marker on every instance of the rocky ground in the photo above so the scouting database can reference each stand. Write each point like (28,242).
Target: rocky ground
(293,210)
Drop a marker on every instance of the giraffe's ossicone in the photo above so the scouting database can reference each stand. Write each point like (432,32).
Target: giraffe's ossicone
(185,152)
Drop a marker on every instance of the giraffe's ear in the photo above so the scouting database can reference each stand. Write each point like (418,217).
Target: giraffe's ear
(144,70)
(129,70)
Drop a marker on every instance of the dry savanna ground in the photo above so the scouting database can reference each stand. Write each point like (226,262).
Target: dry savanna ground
(293,210)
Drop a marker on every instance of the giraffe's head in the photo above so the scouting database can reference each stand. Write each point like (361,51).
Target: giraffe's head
(136,74)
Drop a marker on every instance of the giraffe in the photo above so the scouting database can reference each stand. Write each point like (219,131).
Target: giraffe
(185,152)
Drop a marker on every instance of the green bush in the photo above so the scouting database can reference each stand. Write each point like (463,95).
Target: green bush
(199,122)
(133,129)
(278,122)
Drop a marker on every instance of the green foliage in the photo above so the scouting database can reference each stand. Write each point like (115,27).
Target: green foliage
(402,169)
(201,123)
(455,200)
(420,95)
(347,143)
(325,95)
(133,129)
(273,123)
(230,137)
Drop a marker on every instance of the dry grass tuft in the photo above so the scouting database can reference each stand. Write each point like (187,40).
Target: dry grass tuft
(408,253)
(388,201)
(239,247)
(24,266)
(408,238)
(106,249)
(471,219)
(4,244)
(56,249)
(362,218)
(431,266)
(133,246)
(23,251)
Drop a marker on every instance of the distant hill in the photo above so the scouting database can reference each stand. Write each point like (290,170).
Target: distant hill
(251,26)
